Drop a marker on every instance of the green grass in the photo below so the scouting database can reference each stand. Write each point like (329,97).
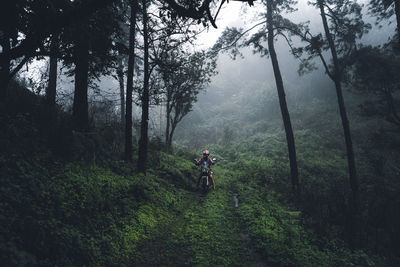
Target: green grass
(204,232)
(74,214)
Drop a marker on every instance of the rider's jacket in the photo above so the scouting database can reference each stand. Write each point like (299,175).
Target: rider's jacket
(209,161)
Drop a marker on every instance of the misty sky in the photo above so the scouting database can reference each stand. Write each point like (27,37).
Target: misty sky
(251,68)
(236,14)
(252,73)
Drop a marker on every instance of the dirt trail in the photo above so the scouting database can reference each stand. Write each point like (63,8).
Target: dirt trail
(206,231)
(257,260)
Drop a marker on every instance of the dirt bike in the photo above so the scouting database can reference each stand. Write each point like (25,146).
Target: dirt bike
(205,180)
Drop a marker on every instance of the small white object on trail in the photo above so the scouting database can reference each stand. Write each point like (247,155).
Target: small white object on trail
(236,200)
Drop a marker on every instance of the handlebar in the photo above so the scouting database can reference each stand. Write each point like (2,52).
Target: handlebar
(196,161)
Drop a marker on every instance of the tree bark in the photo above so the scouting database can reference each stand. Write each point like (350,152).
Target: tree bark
(345,122)
(129,83)
(171,134)
(392,112)
(282,101)
(142,161)
(4,67)
(52,86)
(120,74)
(80,114)
(168,114)
(174,123)
(397,11)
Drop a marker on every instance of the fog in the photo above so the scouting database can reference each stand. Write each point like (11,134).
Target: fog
(249,78)
(252,75)
(304,174)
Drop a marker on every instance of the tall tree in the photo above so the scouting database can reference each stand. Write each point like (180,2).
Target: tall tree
(5,65)
(11,22)
(80,113)
(93,55)
(170,36)
(271,8)
(342,108)
(121,81)
(183,75)
(270,25)
(144,125)
(52,85)
(343,26)
(346,26)
(129,82)
(340,11)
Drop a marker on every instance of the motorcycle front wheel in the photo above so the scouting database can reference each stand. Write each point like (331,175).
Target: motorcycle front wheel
(205,183)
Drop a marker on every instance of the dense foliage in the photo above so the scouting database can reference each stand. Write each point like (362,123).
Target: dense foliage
(60,209)
(312,191)
(254,140)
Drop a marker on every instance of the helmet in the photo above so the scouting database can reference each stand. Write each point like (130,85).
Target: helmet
(206,153)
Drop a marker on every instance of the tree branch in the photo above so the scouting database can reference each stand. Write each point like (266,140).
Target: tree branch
(18,67)
(240,36)
(326,66)
(49,25)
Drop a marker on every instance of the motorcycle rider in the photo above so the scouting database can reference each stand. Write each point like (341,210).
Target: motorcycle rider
(206,158)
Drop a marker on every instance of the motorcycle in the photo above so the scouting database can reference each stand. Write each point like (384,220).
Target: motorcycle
(205,180)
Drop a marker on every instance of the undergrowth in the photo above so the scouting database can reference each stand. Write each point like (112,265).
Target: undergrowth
(93,209)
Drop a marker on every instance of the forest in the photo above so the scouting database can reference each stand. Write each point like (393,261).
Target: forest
(109,107)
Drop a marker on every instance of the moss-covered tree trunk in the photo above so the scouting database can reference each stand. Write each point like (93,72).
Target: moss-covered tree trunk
(80,114)
(129,83)
(282,100)
(345,122)
(144,125)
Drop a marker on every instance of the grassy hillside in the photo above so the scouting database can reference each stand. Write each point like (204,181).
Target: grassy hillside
(71,213)
(246,129)
(67,200)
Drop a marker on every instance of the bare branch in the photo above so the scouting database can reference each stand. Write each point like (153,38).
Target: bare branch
(241,35)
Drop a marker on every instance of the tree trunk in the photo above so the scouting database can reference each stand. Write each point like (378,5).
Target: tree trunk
(4,67)
(80,106)
(397,11)
(168,114)
(392,112)
(171,134)
(345,122)
(174,123)
(120,73)
(129,83)
(52,86)
(282,101)
(142,161)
